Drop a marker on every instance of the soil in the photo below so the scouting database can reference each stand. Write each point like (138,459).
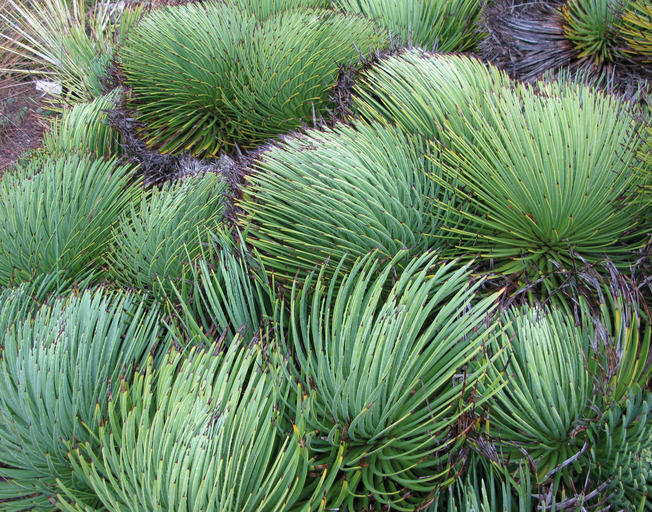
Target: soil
(22,121)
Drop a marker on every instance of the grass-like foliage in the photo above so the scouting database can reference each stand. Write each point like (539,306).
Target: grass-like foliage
(85,129)
(59,367)
(349,190)
(590,26)
(550,172)
(206,76)
(71,42)
(57,215)
(386,373)
(427,94)
(635,29)
(442,25)
(562,411)
(227,295)
(265,8)
(198,433)
(170,228)
(548,364)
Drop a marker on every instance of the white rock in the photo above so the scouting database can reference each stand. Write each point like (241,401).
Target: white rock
(47,87)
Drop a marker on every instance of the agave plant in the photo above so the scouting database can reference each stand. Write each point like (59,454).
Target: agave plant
(584,39)
(349,190)
(59,369)
(555,413)
(635,28)
(621,326)
(589,26)
(17,304)
(199,433)
(427,94)
(621,452)
(72,43)
(156,239)
(442,25)
(233,79)
(386,375)
(551,172)
(85,129)
(548,365)
(57,215)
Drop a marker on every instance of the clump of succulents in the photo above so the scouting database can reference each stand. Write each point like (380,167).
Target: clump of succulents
(233,78)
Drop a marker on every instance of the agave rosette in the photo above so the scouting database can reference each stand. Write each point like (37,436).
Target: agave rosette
(590,26)
(200,432)
(210,76)
(386,374)
(635,29)
(551,173)
(58,213)
(160,236)
(349,190)
(442,25)
(59,367)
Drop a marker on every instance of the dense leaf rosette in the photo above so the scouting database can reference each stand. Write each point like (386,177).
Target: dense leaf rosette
(206,76)
(349,190)
(551,173)
(199,433)
(171,227)
(59,368)
(442,25)
(57,214)
(386,373)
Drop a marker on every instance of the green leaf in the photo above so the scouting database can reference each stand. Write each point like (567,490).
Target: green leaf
(427,94)
(225,296)
(84,129)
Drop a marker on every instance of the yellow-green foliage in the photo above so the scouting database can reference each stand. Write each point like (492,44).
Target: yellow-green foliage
(635,27)
(589,25)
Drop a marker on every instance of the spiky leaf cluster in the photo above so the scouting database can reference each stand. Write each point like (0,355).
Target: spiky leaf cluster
(227,295)
(442,25)
(550,175)
(635,28)
(167,231)
(563,411)
(589,25)
(265,8)
(71,41)
(547,171)
(198,433)
(60,366)
(85,129)
(58,213)
(349,190)
(427,94)
(386,372)
(209,76)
